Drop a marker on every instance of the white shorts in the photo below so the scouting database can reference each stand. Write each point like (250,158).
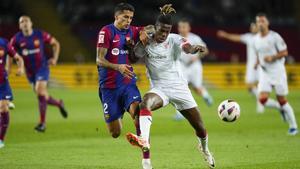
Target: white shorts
(179,96)
(193,73)
(279,83)
(252,75)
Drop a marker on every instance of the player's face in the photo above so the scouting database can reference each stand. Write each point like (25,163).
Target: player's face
(124,19)
(253,28)
(25,23)
(162,32)
(184,28)
(262,23)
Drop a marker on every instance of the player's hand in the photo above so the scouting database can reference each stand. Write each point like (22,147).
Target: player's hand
(124,69)
(200,48)
(269,59)
(20,72)
(144,37)
(52,61)
(221,34)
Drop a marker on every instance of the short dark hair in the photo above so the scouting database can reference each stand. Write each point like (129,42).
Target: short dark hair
(185,20)
(165,16)
(123,6)
(261,14)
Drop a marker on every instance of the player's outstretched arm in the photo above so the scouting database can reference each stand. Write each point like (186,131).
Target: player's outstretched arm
(56,50)
(229,36)
(124,69)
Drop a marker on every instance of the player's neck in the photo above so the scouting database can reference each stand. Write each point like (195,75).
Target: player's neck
(184,35)
(27,33)
(118,26)
(265,33)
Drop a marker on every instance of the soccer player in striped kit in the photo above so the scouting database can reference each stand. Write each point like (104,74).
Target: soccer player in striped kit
(117,82)
(30,44)
(5,91)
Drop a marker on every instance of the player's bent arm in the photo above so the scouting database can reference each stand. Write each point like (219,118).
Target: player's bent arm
(55,47)
(229,36)
(281,54)
(188,48)
(101,61)
(20,63)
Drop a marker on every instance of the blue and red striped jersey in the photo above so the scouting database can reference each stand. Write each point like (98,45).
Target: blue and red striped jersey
(5,49)
(114,40)
(32,49)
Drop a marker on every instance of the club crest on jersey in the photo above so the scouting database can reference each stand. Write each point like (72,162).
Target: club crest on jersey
(36,42)
(2,52)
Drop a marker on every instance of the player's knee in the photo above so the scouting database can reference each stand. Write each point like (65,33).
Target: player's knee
(281,100)
(4,107)
(263,100)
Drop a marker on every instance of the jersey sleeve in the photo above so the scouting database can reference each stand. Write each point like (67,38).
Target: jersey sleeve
(200,42)
(136,32)
(104,38)
(279,43)
(13,42)
(178,40)
(10,50)
(245,38)
(46,37)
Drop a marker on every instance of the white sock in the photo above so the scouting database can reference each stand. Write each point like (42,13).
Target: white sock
(288,110)
(205,94)
(271,103)
(204,143)
(145,124)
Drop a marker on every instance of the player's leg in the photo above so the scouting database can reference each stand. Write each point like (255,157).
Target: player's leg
(251,82)
(4,120)
(42,94)
(264,90)
(194,118)
(281,90)
(115,128)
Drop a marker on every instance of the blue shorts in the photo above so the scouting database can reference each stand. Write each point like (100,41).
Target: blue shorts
(41,75)
(116,101)
(5,91)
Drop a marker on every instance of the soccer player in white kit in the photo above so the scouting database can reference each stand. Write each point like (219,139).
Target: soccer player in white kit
(191,63)
(251,73)
(162,53)
(271,51)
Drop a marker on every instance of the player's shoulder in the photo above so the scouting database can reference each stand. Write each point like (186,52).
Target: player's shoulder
(193,35)
(3,41)
(274,34)
(174,36)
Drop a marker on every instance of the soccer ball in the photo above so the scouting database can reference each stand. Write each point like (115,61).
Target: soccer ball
(229,110)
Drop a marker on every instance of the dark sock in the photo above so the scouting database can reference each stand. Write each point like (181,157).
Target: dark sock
(53,102)
(42,108)
(4,122)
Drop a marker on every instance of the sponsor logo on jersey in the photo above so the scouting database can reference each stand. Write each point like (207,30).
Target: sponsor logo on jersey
(157,56)
(116,51)
(26,52)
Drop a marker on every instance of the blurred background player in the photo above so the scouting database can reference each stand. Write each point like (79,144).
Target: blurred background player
(251,73)
(271,51)
(192,65)
(30,44)
(162,54)
(117,82)
(5,90)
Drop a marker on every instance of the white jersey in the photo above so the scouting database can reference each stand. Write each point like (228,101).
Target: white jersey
(247,39)
(193,39)
(270,45)
(162,60)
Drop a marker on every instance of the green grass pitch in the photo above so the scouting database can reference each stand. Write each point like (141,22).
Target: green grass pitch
(82,141)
